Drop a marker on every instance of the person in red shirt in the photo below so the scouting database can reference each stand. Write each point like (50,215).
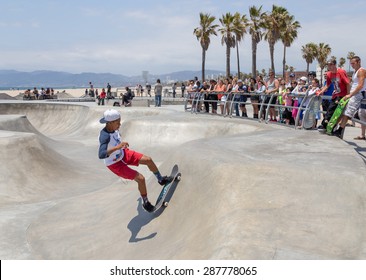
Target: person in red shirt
(338,78)
(102,97)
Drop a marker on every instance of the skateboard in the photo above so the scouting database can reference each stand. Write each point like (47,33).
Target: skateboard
(310,114)
(176,176)
(336,115)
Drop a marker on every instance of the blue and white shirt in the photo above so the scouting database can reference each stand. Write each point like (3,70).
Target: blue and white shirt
(108,140)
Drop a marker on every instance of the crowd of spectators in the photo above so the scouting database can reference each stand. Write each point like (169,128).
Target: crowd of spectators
(233,95)
(35,94)
(286,98)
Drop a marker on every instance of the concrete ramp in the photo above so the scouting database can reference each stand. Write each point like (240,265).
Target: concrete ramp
(248,190)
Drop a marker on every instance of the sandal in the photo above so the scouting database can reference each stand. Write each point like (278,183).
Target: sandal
(360,138)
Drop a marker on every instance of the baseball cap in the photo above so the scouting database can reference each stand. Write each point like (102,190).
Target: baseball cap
(240,81)
(292,75)
(303,78)
(110,115)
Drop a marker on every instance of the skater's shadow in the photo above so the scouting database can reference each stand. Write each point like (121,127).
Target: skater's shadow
(143,218)
(138,222)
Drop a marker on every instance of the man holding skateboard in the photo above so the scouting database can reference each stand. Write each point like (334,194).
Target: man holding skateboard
(355,96)
(117,156)
(338,78)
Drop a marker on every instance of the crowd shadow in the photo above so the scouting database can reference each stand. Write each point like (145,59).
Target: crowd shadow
(358,149)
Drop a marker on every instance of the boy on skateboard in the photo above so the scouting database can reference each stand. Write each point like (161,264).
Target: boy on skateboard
(117,156)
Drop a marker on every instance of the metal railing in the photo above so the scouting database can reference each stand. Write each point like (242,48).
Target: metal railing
(194,100)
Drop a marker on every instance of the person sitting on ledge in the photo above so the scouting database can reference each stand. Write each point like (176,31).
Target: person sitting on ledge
(127,97)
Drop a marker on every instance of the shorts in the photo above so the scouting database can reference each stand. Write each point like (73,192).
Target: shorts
(273,101)
(287,114)
(254,98)
(243,98)
(353,105)
(121,168)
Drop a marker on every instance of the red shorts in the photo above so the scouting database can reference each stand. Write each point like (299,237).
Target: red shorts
(121,168)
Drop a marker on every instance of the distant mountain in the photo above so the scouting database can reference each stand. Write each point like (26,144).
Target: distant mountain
(45,78)
(17,79)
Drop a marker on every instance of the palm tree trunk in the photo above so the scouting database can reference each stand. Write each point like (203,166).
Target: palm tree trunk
(203,64)
(254,58)
(237,58)
(227,61)
(271,52)
(284,61)
(321,76)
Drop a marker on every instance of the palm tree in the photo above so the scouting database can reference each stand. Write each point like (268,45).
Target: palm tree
(350,55)
(288,35)
(322,52)
(255,30)
(274,24)
(342,62)
(228,31)
(241,24)
(203,33)
(309,52)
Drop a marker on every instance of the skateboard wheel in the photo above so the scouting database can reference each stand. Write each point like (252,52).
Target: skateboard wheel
(178,178)
(166,204)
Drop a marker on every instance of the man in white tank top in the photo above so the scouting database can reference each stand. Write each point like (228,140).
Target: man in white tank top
(356,94)
(272,87)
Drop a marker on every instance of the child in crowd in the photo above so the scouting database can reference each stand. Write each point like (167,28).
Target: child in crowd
(288,100)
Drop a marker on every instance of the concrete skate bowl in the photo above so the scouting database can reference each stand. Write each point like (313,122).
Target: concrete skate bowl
(248,190)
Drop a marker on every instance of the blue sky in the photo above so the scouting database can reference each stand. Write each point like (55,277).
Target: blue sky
(127,37)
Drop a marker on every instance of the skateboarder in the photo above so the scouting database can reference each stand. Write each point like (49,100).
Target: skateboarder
(357,93)
(117,156)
